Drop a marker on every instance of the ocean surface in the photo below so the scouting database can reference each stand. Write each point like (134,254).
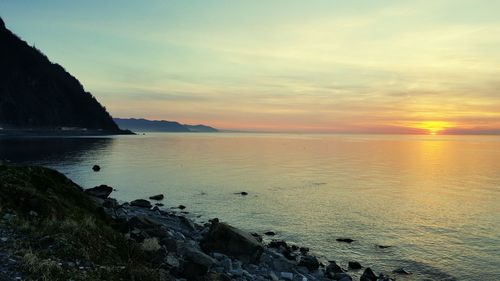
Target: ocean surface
(435,200)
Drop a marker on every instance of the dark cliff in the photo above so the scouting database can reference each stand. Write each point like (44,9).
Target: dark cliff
(38,94)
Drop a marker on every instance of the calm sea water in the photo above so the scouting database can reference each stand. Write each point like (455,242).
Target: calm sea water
(435,200)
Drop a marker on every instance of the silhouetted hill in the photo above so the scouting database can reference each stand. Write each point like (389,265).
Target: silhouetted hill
(37,94)
(144,125)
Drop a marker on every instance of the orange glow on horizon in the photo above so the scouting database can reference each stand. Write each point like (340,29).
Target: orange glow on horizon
(433,127)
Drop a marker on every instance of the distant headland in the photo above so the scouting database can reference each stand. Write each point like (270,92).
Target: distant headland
(144,125)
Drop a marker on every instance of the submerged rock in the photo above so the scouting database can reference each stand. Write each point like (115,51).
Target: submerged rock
(233,242)
(345,240)
(102,191)
(368,275)
(401,271)
(96,168)
(157,197)
(270,233)
(141,203)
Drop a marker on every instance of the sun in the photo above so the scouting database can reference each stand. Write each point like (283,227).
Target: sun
(433,127)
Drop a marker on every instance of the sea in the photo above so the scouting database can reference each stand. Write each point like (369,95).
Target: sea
(431,202)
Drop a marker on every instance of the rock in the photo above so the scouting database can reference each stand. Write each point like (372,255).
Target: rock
(159,204)
(141,203)
(141,222)
(157,197)
(354,265)
(383,246)
(102,191)
(233,242)
(401,271)
(311,262)
(182,207)
(110,203)
(270,233)
(345,240)
(368,275)
(257,236)
(277,244)
(96,168)
(332,269)
(287,275)
(341,276)
(243,193)
(197,256)
(197,263)
(304,250)
(273,276)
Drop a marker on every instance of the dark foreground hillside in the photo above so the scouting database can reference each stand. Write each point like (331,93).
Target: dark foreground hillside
(38,94)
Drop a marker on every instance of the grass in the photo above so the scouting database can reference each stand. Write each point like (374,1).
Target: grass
(68,227)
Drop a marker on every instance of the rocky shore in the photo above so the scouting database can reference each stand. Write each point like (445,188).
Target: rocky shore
(52,229)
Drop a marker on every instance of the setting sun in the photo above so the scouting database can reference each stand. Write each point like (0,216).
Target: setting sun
(433,127)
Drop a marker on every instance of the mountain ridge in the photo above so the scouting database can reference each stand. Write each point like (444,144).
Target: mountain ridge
(145,125)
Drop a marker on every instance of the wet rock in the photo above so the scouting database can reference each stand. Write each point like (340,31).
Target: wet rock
(310,262)
(96,168)
(102,191)
(332,269)
(257,236)
(182,207)
(345,240)
(159,204)
(277,244)
(141,203)
(368,275)
(157,197)
(304,250)
(383,246)
(401,271)
(270,233)
(242,193)
(354,265)
(233,242)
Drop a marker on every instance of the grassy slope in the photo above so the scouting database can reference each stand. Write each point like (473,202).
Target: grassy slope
(60,225)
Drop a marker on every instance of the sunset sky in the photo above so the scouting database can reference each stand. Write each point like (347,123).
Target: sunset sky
(294,66)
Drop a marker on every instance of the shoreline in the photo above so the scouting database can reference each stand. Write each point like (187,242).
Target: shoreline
(17,133)
(181,247)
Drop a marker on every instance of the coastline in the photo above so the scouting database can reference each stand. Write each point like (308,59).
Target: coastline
(15,133)
(171,245)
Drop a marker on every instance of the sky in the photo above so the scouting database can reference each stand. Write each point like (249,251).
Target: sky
(430,67)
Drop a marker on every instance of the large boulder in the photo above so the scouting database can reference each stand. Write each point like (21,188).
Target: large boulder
(368,275)
(141,203)
(311,262)
(233,242)
(102,191)
(196,262)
